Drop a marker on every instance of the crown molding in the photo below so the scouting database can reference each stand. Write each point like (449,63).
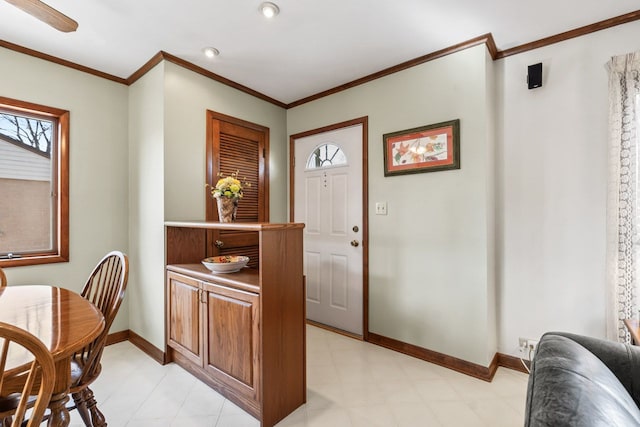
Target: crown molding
(60,61)
(165,56)
(146,67)
(567,35)
(486,39)
(213,76)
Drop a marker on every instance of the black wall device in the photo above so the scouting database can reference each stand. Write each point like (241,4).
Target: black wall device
(534,78)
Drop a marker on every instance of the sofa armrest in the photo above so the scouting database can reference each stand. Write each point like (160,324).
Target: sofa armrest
(622,359)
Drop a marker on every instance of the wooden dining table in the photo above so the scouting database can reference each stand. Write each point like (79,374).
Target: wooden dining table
(63,320)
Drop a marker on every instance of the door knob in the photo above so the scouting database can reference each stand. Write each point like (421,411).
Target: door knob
(218,244)
(355,243)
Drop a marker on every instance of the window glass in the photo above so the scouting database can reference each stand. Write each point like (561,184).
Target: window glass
(325,156)
(33,183)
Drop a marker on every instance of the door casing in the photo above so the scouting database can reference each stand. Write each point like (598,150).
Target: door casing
(232,240)
(364,121)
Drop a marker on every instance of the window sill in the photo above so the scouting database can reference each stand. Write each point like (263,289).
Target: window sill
(32,260)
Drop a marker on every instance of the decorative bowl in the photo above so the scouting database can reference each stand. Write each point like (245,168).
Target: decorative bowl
(225,263)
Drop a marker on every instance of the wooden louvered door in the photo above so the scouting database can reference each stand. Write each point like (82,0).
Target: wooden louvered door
(237,145)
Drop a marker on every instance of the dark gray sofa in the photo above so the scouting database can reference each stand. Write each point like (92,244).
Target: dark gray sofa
(582,381)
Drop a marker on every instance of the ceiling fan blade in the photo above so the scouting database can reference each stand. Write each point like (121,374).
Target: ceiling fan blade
(46,14)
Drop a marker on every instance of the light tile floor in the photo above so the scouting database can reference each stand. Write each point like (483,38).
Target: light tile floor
(349,384)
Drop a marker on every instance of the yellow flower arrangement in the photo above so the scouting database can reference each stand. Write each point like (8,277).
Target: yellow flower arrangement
(229,186)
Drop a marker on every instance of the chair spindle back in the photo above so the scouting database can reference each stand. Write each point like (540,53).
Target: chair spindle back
(40,371)
(105,288)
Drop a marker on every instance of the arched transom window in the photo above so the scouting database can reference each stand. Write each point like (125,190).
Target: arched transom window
(325,156)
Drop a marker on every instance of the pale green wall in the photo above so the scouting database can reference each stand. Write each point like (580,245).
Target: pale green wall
(188,96)
(431,257)
(167,163)
(424,278)
(553,174)
(491,177)
(431,260)
(98,174)
(146,216)
(429,278)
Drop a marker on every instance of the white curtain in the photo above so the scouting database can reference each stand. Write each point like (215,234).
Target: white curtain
(624,87)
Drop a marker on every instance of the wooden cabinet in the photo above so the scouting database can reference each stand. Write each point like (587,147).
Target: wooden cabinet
(184,316)
(241,333)
(232,332)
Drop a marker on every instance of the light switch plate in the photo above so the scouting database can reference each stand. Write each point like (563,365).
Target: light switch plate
(381,208)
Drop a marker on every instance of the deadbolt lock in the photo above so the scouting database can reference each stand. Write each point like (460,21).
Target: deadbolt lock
(355,229)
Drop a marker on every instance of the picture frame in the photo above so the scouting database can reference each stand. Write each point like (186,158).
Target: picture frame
(428,148)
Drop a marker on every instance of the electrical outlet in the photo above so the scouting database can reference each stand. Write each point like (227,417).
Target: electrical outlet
(527,347)
(522,343)
(381,208)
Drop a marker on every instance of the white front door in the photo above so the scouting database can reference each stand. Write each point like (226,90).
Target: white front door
(328,199)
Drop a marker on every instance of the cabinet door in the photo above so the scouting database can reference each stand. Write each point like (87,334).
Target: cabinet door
(232,339)
(184,316)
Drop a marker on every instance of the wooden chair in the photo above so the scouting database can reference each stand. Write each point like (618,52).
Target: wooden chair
(105,289)
(21,384)
(3,278)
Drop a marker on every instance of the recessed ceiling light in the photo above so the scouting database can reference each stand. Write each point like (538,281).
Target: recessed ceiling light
(269,9)
(211,52)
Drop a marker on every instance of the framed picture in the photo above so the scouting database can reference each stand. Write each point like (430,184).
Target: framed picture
(424,149)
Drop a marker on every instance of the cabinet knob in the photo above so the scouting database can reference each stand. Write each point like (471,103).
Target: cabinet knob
(219,244)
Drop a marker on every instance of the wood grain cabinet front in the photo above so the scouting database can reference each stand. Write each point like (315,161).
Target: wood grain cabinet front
(241,333)
(217,328)
(232,330)
(185,332)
